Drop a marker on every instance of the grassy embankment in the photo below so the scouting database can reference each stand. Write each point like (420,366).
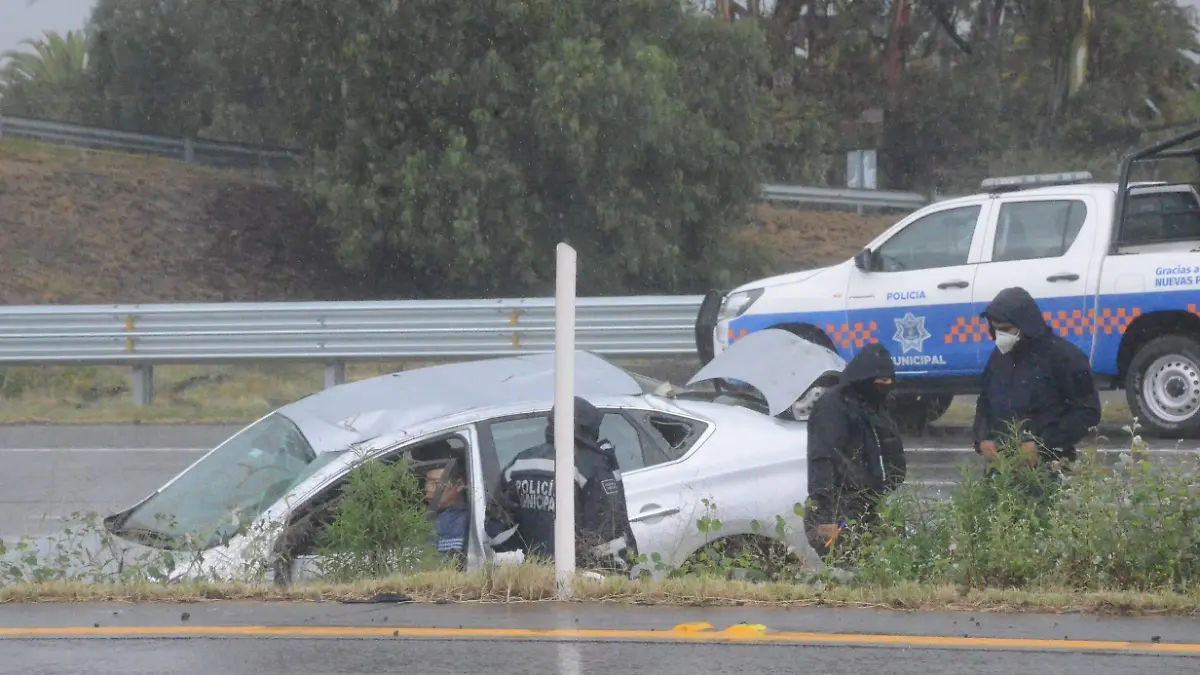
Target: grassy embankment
(93,227)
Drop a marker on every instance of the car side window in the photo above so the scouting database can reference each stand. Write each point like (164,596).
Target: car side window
(679,434)
(1039,229)
(510,437)
(308,521)
(941,239)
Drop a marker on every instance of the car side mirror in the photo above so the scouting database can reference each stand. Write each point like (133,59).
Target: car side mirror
(863,259)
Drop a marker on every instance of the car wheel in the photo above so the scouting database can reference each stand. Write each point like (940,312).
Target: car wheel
(1163,386)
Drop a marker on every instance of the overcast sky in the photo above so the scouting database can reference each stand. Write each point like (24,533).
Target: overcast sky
(20,21)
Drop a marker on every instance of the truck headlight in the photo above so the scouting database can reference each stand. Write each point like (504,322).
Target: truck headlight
(737,303)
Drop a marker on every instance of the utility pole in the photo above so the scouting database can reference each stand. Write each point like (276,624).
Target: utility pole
(900,21)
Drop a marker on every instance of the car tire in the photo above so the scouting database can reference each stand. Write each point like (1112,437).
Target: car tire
(1162,386)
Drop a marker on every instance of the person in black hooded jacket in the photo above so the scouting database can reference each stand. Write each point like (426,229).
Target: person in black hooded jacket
(855,454)
(525,499)
(1033,378)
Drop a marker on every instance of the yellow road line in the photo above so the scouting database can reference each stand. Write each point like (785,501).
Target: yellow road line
(685,632)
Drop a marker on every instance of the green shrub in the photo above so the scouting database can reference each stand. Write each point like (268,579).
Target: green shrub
(379,526)
(1132,527)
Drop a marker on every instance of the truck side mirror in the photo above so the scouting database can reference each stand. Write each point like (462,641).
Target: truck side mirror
(863,260)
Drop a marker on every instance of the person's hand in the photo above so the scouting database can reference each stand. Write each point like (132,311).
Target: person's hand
(988,449)
(828,532)
(1029,453)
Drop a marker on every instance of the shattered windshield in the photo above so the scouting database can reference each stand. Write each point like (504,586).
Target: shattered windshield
(224,492)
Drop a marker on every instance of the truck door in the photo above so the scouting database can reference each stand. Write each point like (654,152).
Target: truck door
(1042,245)
(911,289)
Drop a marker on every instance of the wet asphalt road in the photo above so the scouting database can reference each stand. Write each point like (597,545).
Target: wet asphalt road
(1062,646)
(324,657)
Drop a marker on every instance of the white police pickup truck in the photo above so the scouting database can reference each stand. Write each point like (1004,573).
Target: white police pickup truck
(1126,289)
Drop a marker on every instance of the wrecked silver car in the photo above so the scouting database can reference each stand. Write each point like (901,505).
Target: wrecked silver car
(733,438)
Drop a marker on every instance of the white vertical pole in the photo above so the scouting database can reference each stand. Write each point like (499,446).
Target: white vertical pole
(564,419)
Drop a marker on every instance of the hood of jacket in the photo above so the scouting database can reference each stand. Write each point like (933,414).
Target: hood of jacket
(587,423)
(872,362)
(1016,306)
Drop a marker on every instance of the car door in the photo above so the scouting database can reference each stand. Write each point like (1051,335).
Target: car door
(642,440)
(662,500)
(1044,245)
(913,291)
(307,520)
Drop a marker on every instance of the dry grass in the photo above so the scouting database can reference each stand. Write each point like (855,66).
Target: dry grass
(214,394)
(532,583)
(232,394)
(802,240)
(84,226)
(240,394)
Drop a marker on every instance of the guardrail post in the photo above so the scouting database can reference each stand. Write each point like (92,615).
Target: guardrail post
(335,374)
(189,150)
(142,376)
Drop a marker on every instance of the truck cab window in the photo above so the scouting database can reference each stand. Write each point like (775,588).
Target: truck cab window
(941,239)
(1037,229)
(1162,216)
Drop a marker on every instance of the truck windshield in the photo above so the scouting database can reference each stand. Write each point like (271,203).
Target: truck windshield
(223,493)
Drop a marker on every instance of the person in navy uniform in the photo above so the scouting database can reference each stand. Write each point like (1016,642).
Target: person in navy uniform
(453,513)
(855,453)
(1034,379)
(524,502)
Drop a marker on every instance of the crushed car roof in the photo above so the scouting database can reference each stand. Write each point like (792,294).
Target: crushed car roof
(356,411)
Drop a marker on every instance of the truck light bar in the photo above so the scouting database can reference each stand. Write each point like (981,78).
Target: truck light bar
(1003,183)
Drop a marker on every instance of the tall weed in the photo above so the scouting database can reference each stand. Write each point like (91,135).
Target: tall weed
(379,526)
(1135,526)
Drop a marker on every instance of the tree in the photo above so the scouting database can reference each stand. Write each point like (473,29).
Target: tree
(46,82)
(150,70)
(457,143)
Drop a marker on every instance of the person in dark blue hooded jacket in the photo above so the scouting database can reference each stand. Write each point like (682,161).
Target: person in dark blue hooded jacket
(1036,380)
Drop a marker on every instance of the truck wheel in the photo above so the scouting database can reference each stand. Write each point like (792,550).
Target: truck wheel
(1163,385)
(915,412)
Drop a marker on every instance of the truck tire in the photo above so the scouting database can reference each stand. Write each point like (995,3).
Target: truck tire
(1163,386)
(915,412)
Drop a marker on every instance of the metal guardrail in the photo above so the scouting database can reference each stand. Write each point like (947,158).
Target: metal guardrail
(799,194)
(338,331)
(210,153)
(233,155)
(335,332)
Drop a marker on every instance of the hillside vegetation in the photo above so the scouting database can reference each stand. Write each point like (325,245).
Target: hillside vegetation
(448,147)
(79,226)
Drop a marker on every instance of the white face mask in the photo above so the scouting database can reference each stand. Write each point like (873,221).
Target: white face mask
(1006,341)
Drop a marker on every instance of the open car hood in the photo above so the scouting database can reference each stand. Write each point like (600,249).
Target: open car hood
(779,364)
